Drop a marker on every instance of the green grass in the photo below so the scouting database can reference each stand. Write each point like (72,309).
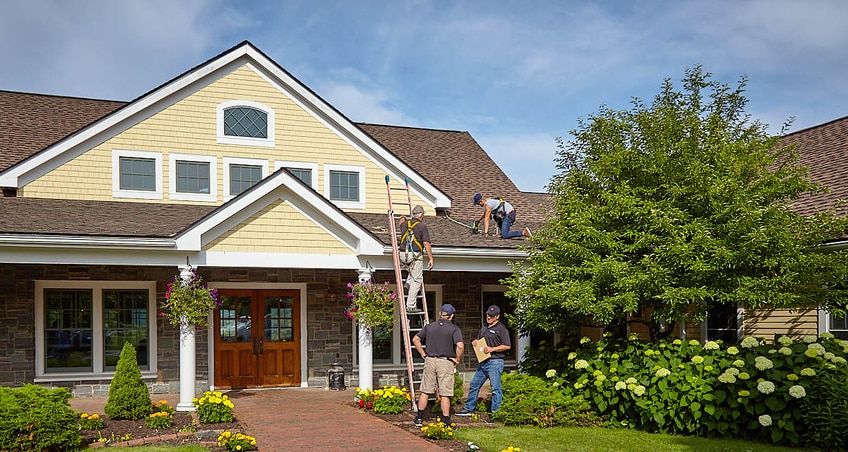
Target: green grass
(562,439)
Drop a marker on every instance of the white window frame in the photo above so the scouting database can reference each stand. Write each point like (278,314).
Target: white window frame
(300,165)
(117,192)
(212,196)
(397,331)
(824,321)
(245,141)
(240,161)
(343,204)
(98,365)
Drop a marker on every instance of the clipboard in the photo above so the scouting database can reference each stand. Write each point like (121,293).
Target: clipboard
(478,350)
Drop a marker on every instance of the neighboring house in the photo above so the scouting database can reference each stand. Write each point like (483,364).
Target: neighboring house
(275,197)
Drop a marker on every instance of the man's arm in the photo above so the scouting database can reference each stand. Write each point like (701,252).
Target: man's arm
(459,348)
(429,255)
(487,214)
(417,342)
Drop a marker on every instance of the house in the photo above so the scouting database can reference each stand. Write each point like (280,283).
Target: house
(278,200)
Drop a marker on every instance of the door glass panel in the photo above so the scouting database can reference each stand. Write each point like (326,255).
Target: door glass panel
(278,318)
(234,315)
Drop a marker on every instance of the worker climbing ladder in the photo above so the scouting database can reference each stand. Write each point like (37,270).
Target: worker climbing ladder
(412,322)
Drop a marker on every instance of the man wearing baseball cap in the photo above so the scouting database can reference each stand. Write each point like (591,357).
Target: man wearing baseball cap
(444,349)
(502,213)
(415,240)
(497,343)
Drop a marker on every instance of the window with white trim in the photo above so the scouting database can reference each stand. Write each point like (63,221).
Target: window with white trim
(387,345)
(241,174)
(193,177)
(81,326)
(345,185)
(837,325)
(245,122)
(306,172)
(137,174)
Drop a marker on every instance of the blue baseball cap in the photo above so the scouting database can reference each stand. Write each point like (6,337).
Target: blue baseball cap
(477,198)
(448,309)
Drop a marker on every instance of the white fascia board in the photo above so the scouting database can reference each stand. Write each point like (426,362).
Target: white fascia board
(280,185)
(91,256)
(454,262)
(65,241)
(346,130)
(278,260)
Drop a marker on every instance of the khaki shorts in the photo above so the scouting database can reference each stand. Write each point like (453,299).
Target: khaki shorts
(437,370)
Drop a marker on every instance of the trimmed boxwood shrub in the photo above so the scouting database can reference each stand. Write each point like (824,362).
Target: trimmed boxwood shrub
(531,400)
(37,419)
(129,397)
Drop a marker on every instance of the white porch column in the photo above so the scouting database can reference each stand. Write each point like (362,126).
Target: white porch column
(366,353)
(188,357)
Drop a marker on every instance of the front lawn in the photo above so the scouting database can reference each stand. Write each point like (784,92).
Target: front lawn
(596,439)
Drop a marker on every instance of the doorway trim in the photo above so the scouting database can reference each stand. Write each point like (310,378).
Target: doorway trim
(304,383)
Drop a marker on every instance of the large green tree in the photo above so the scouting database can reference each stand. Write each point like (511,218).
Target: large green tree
(674,208)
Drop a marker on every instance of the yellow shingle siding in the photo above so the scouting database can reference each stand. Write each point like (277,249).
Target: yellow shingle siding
(189,127)
(278,228)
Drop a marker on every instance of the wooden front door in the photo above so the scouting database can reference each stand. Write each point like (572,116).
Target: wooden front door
(257,339)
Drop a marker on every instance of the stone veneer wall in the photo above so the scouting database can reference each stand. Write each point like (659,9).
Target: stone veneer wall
(329,333)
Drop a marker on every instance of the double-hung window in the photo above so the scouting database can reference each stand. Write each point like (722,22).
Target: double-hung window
(82,326)
(137,174)
(193,177)
(723,322)
(345,185)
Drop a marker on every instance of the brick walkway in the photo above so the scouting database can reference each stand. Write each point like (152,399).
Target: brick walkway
(302,419)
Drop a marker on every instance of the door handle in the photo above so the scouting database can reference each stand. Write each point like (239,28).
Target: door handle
(261,346)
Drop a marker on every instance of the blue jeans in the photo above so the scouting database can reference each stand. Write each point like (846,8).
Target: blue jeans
(490,369)
(506,224)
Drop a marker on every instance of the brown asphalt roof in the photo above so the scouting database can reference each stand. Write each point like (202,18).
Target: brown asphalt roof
(823,149)
(451,160)
(101,218)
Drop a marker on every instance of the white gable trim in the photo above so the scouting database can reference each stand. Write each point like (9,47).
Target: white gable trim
(158,99)
(280,186)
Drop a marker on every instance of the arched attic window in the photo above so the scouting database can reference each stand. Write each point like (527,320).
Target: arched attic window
(246,123)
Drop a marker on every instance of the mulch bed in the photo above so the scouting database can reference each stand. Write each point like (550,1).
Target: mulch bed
(181,432)
(403,421)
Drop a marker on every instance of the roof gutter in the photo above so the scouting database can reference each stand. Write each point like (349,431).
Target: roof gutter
(50,241)
(491,253)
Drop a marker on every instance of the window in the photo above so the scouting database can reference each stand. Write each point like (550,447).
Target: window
(193,178)
(241,174)
(387,345)
(137,174)
(345,185)
(723,322)
(838,326)
(245,122)
(81,327)
(306,172)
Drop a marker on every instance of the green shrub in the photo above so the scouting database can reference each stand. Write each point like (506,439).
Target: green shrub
(825,412)
(213,407)
(37,419)
(753,390)
(458,389)
(129,397)
(530,400)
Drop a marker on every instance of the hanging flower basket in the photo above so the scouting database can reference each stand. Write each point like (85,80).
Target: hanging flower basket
(189,300)
(371,304)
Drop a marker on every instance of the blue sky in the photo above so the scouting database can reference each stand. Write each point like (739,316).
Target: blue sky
(515,74)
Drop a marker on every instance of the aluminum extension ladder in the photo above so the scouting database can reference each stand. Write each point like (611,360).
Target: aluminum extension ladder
(421,318)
